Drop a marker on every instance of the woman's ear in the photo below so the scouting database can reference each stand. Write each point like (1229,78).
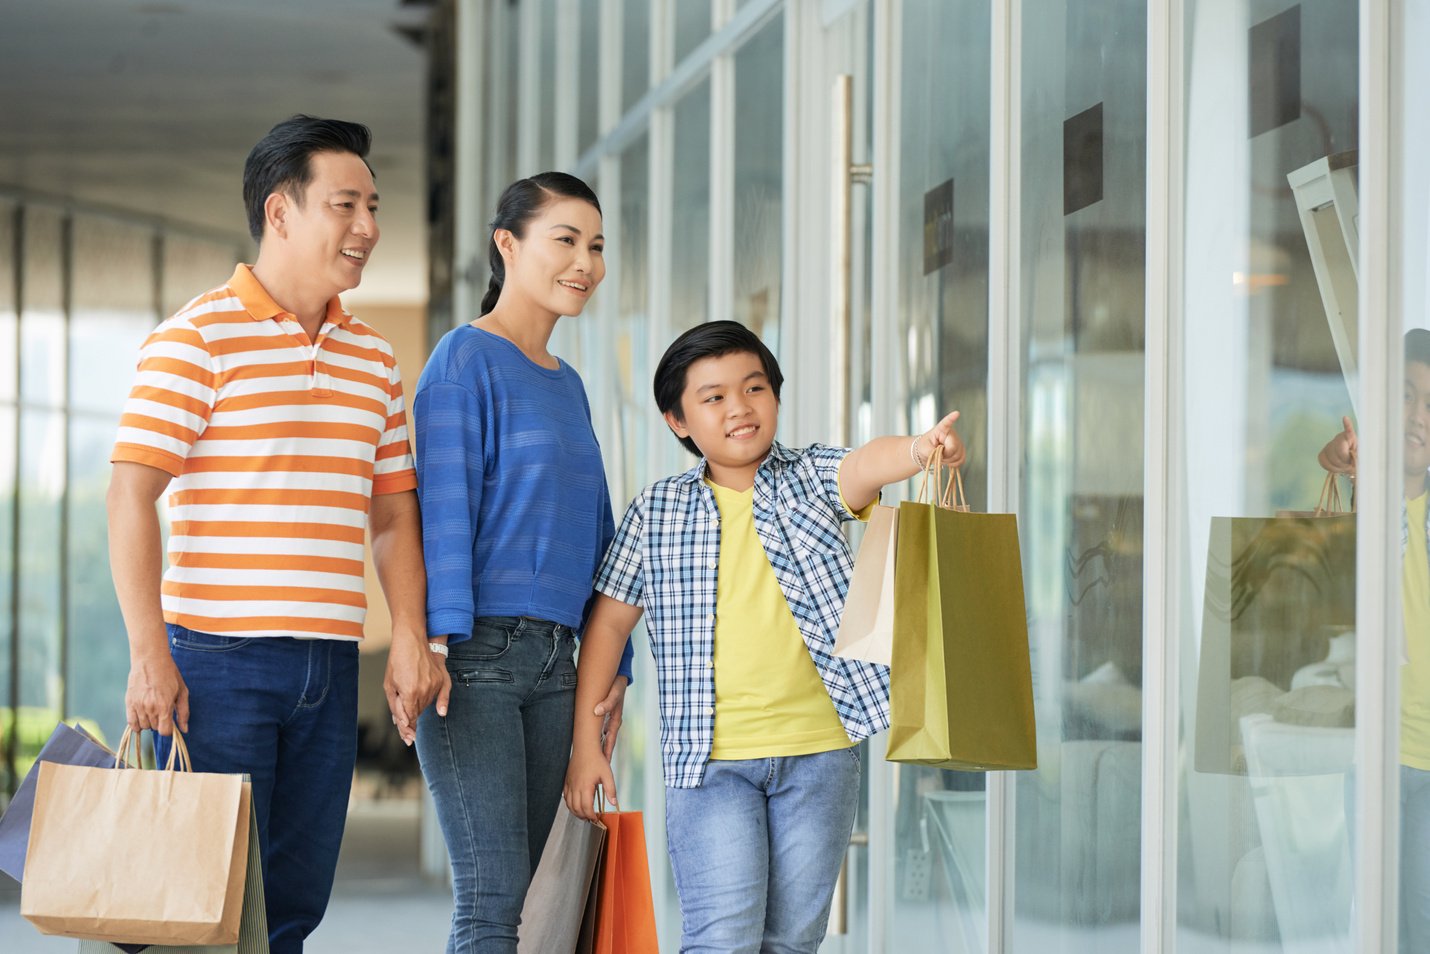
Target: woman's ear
(506,243)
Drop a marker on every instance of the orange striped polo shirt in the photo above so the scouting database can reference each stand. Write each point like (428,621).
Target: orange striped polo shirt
(276,446)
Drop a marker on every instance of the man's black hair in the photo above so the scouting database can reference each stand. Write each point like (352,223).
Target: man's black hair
(282,160)
(709,340)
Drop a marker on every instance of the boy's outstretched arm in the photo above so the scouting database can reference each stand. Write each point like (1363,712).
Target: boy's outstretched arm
(602,643)
(885,460)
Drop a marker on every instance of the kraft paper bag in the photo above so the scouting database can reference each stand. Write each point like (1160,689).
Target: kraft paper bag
(65,746)
(866,630)
(1279,590)
(139,857)
(562,895)
(961,682)
(252,927)
(625,911)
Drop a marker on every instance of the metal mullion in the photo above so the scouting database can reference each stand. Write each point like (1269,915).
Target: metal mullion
(722,173)
(67,323)
(529,66)
(470,69)
(17,224)
(1379,493)
(567,71)
(1164,500)
(1004,424)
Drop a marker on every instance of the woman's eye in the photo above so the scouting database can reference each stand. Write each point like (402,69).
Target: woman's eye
(598,249)
(567,239)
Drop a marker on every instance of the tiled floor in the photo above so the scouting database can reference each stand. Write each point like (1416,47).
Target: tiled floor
(380,902)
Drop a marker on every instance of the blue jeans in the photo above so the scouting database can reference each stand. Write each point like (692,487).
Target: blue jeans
(284,711)
(757,848)
(495,765)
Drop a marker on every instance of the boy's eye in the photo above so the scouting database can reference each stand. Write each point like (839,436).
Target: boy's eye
(712,399)
(756,387)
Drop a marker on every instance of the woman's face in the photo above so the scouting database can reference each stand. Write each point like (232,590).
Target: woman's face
(558,262)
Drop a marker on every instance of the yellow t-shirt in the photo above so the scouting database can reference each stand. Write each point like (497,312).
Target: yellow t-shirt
(1415,674)
(769,699)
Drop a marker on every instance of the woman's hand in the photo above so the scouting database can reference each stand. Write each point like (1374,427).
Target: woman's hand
(587,770)
(612,709)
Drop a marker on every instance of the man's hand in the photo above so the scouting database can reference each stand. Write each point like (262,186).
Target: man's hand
(156,697)
(415,676)
(612,709)
(1339,454)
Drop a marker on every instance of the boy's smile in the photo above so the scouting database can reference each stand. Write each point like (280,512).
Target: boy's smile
(730,411)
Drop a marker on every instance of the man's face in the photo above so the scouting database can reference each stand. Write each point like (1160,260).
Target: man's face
(729,408)
(333,231)
(1417,418)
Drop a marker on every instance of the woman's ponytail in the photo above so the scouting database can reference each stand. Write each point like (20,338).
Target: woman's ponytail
(489,300)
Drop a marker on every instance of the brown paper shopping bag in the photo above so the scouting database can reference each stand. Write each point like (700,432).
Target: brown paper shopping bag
(148,857)
(961,681)
(866,629)
(625,911)
(562,894)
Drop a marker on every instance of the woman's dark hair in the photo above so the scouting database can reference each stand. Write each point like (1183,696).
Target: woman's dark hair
(518,205)
(710,340)
(281,162)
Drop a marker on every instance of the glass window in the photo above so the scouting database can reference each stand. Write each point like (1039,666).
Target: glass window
(41,490)
(1078,861)
(635,51)
(9,344)
(692,26)
(690,244)
(1267,633)
(546,122)
(190,267)
(8,463)
(588,122)
(42,321)
(943,156)
(759,181)
(111,312)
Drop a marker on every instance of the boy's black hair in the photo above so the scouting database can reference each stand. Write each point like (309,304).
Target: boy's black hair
(1417,346)
(282,160)
(709,340)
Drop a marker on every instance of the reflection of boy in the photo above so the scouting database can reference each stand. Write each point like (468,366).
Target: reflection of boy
(742,569)
(1339,456)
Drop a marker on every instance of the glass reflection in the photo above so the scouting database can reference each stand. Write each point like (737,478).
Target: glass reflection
(759,181)
(112,310)
(690,245)
(1267,633)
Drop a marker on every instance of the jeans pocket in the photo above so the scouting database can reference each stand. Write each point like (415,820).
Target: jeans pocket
(183,638)
(491,639)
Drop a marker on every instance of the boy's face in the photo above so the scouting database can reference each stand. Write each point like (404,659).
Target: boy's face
(1417,418)
(728,410)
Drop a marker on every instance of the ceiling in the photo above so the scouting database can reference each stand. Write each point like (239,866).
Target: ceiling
(152,107)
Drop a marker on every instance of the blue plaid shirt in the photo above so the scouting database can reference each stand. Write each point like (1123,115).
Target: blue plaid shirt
(665,559)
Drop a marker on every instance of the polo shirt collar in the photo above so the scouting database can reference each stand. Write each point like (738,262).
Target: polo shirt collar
(261,306)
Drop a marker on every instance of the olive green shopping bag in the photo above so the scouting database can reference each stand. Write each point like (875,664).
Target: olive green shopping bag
(961,683)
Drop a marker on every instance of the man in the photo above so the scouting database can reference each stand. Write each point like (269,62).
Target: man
(279,419)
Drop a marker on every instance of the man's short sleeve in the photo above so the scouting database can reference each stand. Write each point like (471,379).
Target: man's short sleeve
(171,401)
(621,576)
(393,470)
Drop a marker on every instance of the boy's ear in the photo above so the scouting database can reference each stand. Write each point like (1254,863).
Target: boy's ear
(676,424)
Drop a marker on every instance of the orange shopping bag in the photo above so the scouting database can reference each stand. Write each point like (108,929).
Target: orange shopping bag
(625,913)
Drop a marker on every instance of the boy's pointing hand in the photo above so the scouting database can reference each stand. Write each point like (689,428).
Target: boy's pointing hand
(943,434)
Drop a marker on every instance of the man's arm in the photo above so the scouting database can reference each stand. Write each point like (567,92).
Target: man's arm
(156,696)
(885,460)
(607,632)
(415,675)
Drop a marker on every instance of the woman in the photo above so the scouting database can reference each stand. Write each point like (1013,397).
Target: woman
(515,517)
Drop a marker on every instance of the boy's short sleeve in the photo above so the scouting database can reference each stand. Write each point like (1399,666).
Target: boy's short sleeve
(826,461)
(620,575)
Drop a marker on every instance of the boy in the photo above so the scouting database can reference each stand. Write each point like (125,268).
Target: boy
(1339,456)
(742,567)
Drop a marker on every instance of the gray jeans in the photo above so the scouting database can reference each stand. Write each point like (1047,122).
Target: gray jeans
(496,765)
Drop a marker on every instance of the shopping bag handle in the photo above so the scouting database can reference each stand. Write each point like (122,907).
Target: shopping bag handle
(1329,504)
(178,752)
(948,493)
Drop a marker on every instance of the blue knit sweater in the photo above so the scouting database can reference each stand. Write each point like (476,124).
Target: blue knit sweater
(515,511)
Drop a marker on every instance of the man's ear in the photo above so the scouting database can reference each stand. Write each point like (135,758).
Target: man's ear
(275,213)
(676,424)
